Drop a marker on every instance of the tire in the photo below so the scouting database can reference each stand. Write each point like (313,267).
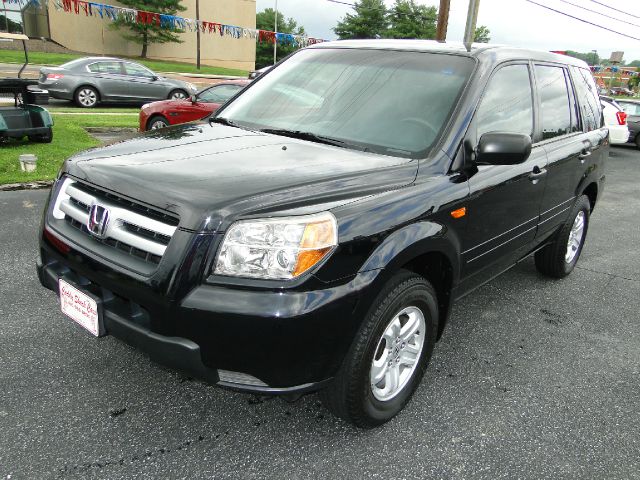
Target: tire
(638,142)
(156,122)
(44,138)
(86,97)
(556,260)
(352,395)
(178,94)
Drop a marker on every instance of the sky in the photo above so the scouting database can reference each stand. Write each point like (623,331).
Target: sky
(512,22)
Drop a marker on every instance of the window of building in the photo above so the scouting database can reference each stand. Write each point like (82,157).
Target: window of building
(555,112)
(507,104)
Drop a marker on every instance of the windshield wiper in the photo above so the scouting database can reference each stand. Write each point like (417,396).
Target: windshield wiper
(312,137)
(224,121)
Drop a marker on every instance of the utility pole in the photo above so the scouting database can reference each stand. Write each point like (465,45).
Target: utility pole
(198,34)
(472,18)
(275,29)
(443,20)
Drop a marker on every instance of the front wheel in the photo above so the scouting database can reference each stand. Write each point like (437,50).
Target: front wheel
(157,122)
(558,259)
(389,355)
(638,142)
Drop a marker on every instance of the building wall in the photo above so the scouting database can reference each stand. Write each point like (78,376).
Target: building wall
(93,35)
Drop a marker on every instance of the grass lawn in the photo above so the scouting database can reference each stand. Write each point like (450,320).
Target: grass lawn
(69,137)
(42,58)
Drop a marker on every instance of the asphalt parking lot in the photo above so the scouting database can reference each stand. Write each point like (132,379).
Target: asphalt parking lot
(533,379)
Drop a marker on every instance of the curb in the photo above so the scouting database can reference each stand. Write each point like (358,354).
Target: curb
(35,185)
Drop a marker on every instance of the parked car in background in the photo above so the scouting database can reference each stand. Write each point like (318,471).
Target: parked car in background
(621,91)
(615,119)
(253,74)
(173,112)
(632,109)
(92,80)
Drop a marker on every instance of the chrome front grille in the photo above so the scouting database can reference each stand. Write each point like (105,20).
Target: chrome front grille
(131,228)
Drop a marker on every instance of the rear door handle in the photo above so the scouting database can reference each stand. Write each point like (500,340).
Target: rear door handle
(537,174)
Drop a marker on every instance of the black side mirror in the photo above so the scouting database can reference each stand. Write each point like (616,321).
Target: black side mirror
(193,99)
(155,78)
(503,148)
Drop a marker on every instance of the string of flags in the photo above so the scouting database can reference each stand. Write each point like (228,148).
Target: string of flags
(614,69)
(171,22)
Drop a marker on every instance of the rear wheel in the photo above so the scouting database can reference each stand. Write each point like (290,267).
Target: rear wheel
(558,259)
(157,122)
(177,95)
(86,97)
(389,355)
(638,142)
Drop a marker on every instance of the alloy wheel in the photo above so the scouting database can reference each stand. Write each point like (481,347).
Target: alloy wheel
(179,95)
(87,97)
(156,124)
(397,354)
(575,237)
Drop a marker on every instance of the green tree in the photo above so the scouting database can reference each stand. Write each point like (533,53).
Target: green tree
(265,20)
(410,20)
(635,63)
(9,25)
(481,35)
(591,58)
(144,34)
(369,21)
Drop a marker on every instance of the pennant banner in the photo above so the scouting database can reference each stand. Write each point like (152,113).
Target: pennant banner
(173,22)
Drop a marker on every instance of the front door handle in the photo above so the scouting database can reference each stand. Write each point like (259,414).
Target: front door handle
(537,174)
(583,155)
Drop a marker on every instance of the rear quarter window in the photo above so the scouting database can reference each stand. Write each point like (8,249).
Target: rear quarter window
(587,94)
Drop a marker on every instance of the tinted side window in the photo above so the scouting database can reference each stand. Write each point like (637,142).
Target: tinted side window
(555,113)
(137,70)
(219,94)
(587,94)
(630,108)
(105,67)
(507,105)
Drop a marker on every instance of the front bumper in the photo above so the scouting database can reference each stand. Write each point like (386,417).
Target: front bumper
(283,342)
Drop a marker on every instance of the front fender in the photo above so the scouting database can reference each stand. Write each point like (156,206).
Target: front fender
(412,241)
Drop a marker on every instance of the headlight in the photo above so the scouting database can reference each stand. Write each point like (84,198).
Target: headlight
(276,248)
(145,106)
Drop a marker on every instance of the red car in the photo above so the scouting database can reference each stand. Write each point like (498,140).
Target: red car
(172,112)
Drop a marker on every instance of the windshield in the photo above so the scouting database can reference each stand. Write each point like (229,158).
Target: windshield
(390,102)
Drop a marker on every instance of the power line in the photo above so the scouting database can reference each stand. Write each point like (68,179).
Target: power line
(582,20)
(612,8)
(599,13)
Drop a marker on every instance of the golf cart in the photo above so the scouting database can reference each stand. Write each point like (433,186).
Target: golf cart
(23,118)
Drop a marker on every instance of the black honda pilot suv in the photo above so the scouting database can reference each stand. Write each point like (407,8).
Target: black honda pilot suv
(313,234)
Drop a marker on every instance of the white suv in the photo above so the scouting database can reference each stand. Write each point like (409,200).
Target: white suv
(616,121)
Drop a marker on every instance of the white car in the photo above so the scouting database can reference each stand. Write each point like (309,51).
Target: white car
(616,120)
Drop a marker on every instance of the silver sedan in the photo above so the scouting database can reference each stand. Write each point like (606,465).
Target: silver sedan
(91,80)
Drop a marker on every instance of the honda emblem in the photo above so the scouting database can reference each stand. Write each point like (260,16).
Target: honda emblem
(98,220)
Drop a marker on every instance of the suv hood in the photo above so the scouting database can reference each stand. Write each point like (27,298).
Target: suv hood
(209,174)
